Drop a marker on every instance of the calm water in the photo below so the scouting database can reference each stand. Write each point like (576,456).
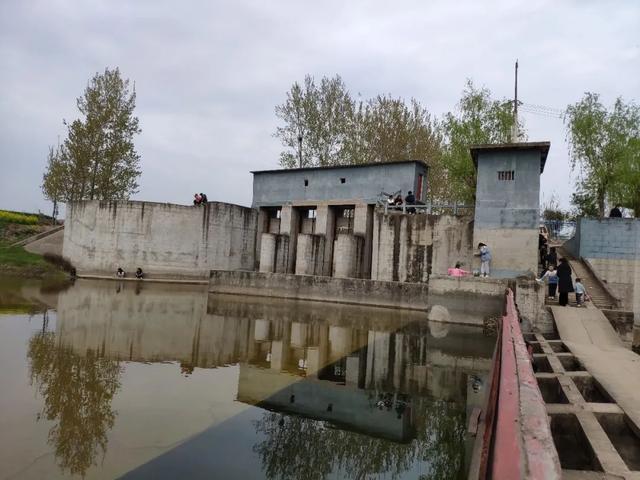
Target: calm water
(110,380)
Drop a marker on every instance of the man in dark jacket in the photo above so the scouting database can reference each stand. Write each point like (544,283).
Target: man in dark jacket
(565,282)
(615,212)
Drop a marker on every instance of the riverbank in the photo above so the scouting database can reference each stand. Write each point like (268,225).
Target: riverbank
(16,261)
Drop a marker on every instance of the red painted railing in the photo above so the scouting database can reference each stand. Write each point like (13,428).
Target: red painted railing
(517,441)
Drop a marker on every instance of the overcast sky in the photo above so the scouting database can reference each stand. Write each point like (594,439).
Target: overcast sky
(209,74)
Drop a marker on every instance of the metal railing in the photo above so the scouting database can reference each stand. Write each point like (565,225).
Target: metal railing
(429,208)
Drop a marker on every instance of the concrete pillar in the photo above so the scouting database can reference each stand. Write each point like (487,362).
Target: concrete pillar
(282,256)
(363,225)
(263,226)
(299,334)
(262,330)
(310,254)
(279,353)
(325,225)
(267,252)
(353,370)
(290,225)
(340,344)
(348,256)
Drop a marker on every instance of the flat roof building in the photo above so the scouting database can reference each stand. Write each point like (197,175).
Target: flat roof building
(362,183)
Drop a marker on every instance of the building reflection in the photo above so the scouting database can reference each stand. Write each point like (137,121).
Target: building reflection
(379,372)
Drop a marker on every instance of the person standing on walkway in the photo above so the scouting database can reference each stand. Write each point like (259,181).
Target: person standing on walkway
(485,260)
(565,283)
(581,293)
(552,278)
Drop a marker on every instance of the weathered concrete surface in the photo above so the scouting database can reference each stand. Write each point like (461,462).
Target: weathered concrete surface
(51,243)
(408,248)
(162,239)
(467,304)
(507,204)
(612,248)
(361,182)
(590,337)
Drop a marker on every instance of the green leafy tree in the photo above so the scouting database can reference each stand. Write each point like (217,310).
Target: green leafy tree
(77,392)
(605,146)
(98,159)
(479,119)
(317,118)
(337,130)
(584,202)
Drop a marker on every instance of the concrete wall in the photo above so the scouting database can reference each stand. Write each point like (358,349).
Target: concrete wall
(364,183)
(612,247)
(470,299)
(507,210)
(408,248)
(163,239)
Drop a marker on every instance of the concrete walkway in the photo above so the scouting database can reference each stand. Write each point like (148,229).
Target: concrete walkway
(590,337)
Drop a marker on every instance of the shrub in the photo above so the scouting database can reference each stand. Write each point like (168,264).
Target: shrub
(59,261)
(14,217)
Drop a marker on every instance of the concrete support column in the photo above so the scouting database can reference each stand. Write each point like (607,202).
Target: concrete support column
(267,252)
(290,225)
(310,254)
(325,225)
(363,225)
(263,226)
(347,256)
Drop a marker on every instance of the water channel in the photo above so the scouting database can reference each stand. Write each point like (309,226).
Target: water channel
(106,379)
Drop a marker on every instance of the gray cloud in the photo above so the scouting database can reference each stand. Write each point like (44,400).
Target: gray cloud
(209,74)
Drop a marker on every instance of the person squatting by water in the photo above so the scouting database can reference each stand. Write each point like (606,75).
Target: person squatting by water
(565,283)
(457,271)
(581,293)
(485,259)
(551,275)
(139,273)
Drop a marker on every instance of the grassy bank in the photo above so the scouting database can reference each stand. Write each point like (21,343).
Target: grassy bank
(16,261)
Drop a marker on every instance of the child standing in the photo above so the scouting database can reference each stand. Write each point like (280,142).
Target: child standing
(581,291)
(485,260)
(552,278)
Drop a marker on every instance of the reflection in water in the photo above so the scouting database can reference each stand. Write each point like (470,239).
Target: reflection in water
(345,391)
(298,447)
(77,392)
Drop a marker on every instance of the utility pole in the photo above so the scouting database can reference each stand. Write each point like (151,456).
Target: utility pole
(300,150)
(514,130)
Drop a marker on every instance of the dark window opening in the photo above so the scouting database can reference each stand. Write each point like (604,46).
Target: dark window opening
(343,180)
(306,182)
(506,175)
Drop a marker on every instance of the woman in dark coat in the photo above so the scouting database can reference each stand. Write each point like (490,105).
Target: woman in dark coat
(565,283)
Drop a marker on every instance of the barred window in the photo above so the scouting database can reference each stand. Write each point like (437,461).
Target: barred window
(506,175)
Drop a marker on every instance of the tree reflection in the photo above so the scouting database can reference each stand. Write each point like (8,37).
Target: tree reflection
(77,392)
(298,447)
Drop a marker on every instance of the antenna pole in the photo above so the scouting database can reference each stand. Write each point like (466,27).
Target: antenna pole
(514,134)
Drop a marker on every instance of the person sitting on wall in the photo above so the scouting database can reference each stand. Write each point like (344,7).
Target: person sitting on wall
(120,273)
(410,199)
(203,198)
(139,273)
(457,271)
(616,212)
(390,201)
(398,201)
(197,199)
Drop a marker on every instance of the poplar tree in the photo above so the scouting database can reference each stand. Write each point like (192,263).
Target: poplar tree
(605,147)
(98,159)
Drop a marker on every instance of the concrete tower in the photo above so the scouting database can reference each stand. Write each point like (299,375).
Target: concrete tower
(507,212)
